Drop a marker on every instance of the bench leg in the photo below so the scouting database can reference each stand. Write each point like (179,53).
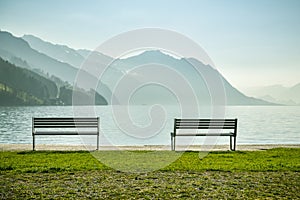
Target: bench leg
(33,143)
(97,142)
(234,138)
(172,142)
(232,144)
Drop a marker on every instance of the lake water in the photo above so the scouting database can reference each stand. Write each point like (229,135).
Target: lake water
(256,125)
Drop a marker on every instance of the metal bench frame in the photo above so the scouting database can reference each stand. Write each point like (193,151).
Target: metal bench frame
(75,123)
(194,124)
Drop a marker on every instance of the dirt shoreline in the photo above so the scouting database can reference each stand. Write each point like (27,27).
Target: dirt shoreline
(241,147)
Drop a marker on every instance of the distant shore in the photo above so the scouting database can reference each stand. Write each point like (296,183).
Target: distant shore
(242,147)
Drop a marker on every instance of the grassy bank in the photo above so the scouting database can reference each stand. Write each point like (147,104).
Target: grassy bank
(48,174)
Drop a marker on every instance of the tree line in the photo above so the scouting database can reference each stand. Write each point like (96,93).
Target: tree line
(20,86)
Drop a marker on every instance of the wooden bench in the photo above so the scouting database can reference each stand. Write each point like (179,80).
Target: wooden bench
(76,126)
(195,124)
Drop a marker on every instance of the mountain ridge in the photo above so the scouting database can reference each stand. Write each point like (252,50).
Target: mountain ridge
(277,93)
(120,67)
(34,89)
(17,47)
(188,67)
(61,53)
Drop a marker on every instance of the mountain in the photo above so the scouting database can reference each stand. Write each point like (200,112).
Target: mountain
(142,68)
(84,52)
(233,96)
(104,58)
(99,58)
(13,48)
(122,75)
(277,94)
(61,53)
(19,86)
(294,93)
(21,49)
(83,97)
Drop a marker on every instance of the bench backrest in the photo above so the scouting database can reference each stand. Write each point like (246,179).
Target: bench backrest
(205,124)
(88,122)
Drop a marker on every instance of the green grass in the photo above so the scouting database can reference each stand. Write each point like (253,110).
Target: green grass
(280,159)
(272,174)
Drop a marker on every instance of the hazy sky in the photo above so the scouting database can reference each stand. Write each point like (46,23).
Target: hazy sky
(251,42)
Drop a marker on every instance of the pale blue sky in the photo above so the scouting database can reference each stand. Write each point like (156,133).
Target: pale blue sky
(252,42)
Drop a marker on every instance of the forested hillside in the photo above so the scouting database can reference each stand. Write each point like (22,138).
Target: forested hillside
(19,86)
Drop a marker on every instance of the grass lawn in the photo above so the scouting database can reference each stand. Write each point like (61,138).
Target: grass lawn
(266,174)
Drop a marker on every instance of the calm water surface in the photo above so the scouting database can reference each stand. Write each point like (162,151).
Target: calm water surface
(256,125)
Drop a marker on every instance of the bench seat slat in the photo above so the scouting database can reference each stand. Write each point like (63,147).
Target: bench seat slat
(64,133)
(66,121)
(205,120)
(205,123)
(205,134)
(204,127)
(64,126)
(65,118)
